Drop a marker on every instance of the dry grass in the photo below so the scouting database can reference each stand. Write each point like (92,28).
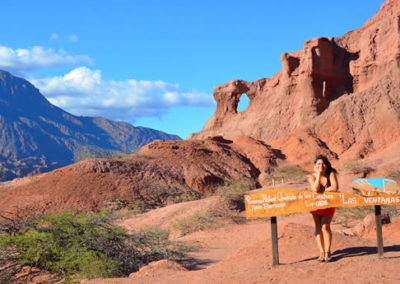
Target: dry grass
(194,223)
(140,155)
(288,172)
(230,200)
(85,154)
(357,167)
(226,208)
(346,215)
(391,171)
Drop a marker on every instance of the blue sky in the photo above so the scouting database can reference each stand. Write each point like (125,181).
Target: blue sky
(155,63)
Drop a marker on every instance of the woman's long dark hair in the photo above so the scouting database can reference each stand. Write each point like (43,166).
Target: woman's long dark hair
(328,165)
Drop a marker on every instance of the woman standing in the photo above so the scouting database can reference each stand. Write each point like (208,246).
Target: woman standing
(323,179)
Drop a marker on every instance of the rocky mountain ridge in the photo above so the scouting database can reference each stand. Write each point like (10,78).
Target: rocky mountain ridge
(37,136)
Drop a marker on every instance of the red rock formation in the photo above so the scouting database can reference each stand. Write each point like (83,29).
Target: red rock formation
(338,96)
(161,172)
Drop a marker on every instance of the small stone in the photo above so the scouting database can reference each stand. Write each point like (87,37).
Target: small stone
(369,222)
(35,269)
(24,272)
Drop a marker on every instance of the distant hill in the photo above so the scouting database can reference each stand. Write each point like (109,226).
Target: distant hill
(37,136)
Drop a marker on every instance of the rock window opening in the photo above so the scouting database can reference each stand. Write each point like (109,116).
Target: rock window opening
(243,103)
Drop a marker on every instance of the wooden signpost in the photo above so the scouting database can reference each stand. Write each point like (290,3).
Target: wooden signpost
(370,186)
(273,203)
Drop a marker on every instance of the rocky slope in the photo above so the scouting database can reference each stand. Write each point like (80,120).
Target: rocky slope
(162,172)
(37,136)
(338,96)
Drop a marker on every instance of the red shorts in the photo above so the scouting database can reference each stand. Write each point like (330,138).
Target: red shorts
(324,212)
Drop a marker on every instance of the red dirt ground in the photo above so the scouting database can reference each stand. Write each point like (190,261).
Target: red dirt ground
(241,253)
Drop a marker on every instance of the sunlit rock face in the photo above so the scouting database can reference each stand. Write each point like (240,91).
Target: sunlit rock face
(338,96)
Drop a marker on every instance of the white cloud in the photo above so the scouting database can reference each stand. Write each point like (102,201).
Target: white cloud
(74,38)
(54,36)
(84,91)
(20,60)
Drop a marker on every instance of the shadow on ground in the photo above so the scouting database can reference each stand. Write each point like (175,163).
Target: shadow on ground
(196,264)
(356,251)
(360,251)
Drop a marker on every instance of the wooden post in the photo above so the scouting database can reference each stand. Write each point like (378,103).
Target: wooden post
(274,239)
(379,238)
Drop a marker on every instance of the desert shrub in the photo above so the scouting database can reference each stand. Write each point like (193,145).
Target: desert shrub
(88,245)
(228,204)
(392,171)
(347,214)
(160,194)
(85,154)
(13,222)
(353,213)
(188,194)
(357,167)
(156,196)
(230,200)
(132,207)
(287,172)
(141,155)
(233,191)
(154,201)
(193,223)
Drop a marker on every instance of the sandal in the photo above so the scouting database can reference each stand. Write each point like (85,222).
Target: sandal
(321,257)
(328,257)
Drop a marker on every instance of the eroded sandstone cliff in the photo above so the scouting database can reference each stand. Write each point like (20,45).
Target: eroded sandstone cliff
(339,96)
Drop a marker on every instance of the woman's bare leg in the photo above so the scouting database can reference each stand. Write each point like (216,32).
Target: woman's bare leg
(318,233)
(326,232)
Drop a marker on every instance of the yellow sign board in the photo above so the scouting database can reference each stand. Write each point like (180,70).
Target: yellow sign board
(269,203)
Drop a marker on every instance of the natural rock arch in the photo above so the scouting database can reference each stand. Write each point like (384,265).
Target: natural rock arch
(243,103)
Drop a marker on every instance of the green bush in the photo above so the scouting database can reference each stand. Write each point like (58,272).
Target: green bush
(88,245)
